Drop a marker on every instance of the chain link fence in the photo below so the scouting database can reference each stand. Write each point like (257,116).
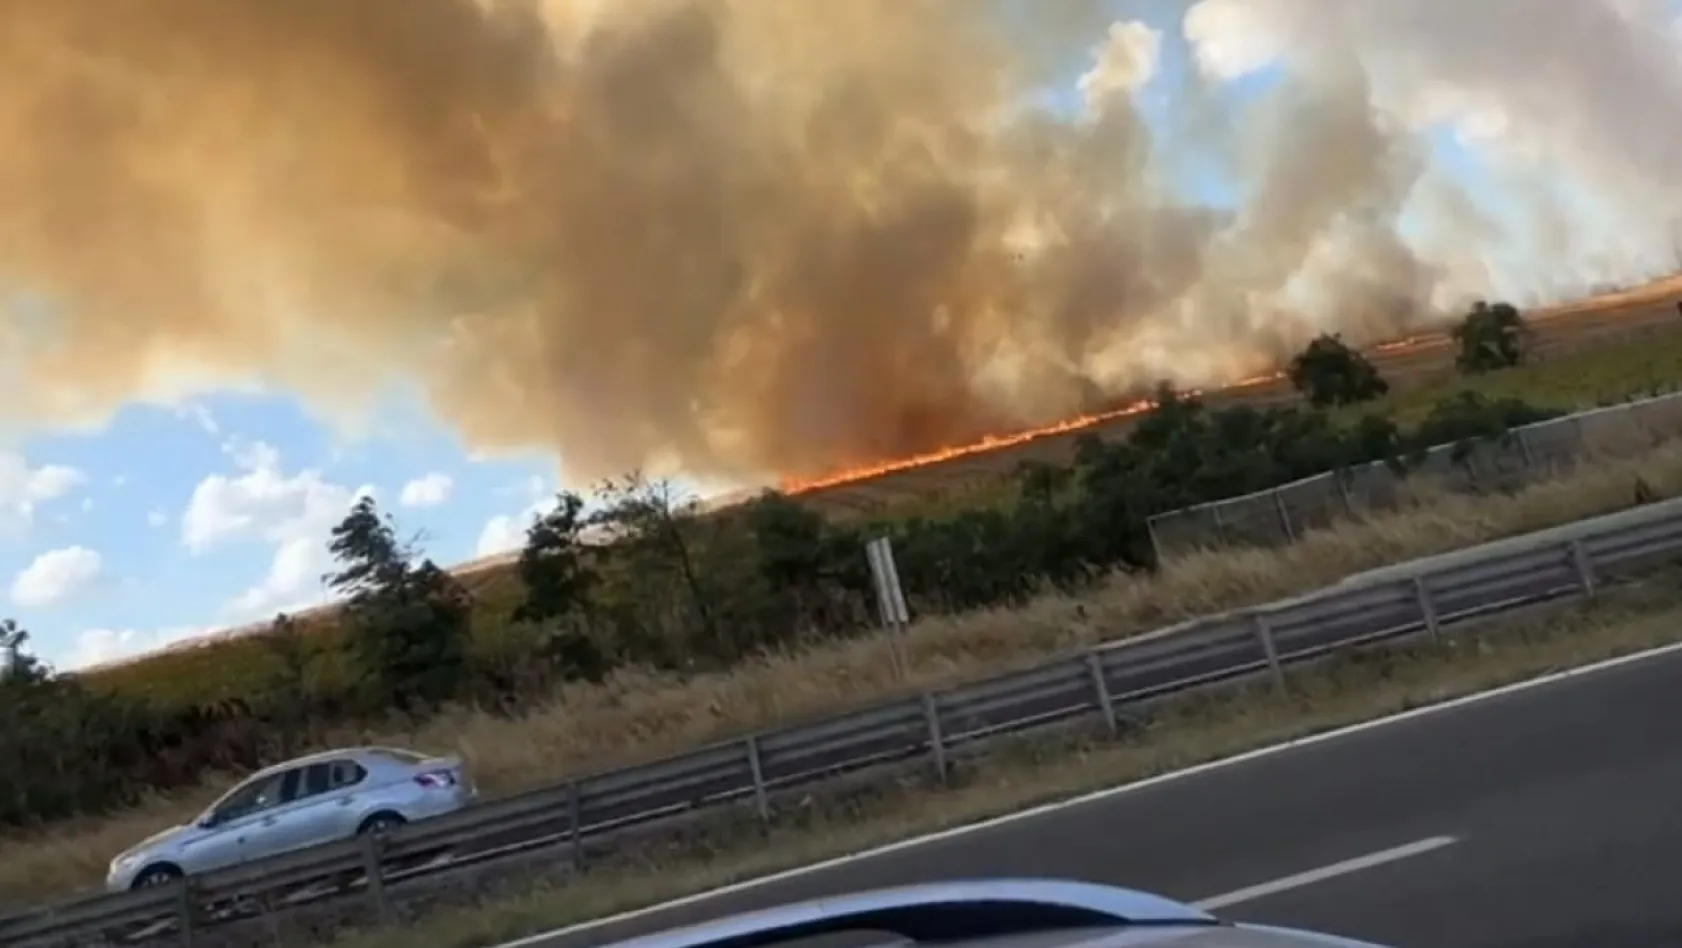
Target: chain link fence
(1526,455)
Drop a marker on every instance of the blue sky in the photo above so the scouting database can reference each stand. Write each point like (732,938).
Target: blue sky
(173,520)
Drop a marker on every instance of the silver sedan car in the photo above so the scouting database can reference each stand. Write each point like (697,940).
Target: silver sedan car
(304,802)
(990,913)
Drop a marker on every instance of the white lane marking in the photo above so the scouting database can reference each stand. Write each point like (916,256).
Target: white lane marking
(1099,796)
(1312,876)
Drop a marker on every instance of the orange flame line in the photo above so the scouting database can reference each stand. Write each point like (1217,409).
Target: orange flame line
(798,485)
(792,485)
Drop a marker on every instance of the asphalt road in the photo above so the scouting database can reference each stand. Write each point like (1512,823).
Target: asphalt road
(1545,818)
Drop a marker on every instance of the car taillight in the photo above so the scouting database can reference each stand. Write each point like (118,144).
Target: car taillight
(437,779)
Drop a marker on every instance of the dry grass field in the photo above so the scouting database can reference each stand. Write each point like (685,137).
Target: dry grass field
(1608,349)
(637,717)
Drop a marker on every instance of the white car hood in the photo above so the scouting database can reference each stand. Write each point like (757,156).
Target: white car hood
(163,839)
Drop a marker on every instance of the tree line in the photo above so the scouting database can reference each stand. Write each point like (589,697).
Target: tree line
(682,591)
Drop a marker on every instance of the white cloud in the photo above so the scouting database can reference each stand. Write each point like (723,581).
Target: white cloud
(292,512)
(506,533)
(102,646)
(433,490)
(262,502)
(1231,39)
(1124,63)
(23,488)
(200,416)
(156,518)
(55,576)
(502,534)
(292,583)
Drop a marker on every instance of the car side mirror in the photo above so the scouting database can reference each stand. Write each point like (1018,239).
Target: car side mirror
(207,821)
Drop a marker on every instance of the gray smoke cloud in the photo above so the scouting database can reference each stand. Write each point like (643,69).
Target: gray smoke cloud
(746,238)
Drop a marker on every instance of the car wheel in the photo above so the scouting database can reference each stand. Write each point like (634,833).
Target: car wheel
(153,876)
(379,823)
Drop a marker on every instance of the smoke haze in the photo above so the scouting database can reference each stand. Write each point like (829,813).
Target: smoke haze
(749,237)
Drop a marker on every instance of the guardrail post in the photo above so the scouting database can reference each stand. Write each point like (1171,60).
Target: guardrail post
(1340,478)
(1095,664)
(1220,522)
(185,910)
(1284,516)
(1156,541)
(375,874)
(756,768)
(1583,566)
(937,744)
(575,823)
(1265,633)
(1427,608)
(271,912)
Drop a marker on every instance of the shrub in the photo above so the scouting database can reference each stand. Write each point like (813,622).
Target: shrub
(1329,374)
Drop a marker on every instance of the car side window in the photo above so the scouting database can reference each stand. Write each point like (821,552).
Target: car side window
(317,779)
(291,785)
(346,773)
(256,796)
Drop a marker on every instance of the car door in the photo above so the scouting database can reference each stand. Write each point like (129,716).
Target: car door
(349,785)
(233,832)
(300,819)
(330,795)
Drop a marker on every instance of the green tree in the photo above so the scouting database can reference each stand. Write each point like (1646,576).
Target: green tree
(290,699)
(1468,419)
(790,537)
(1490,337)
(72,741)
(372,562)
(18,665)
(1376,438)
(649,521)
(1330,373)
(408,624)
(557,582)
(1042,483)
(811,572)
(552,570)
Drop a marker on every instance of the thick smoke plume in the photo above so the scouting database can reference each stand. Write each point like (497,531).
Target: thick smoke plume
(737,236)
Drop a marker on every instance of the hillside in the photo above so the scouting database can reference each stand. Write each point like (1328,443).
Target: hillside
(730,596)
(1416,365)
(1417,368)
(637,715)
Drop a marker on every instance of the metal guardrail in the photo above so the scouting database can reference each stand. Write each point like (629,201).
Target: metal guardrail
(1099,683)
(1530,453)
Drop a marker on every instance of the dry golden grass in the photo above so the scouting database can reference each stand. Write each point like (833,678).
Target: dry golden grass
(1029,772)
(637,717)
